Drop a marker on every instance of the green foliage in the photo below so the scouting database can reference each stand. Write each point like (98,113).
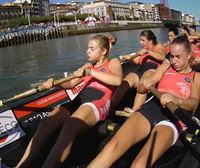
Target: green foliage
(20,21)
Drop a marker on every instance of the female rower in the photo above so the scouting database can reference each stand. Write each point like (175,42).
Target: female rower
(152,55)
(172,34)
(194,35)
(195,46)
(180,85)
(90,106)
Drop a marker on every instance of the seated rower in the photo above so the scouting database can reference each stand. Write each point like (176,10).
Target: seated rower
(89,107)
(172,34)
(152,55)
(180,85)
(140,98)
(195,48)
(194,35)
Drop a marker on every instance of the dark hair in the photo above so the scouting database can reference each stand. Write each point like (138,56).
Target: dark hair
(183,40)
(112,39)
(173,29)
(103,42)
(149,36)
(186,29)
(193,27)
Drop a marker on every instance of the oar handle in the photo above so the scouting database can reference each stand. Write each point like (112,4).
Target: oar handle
(124,59)
(58,82)
(171,106)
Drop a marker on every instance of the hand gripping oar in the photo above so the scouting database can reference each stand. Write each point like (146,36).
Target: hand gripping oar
(178,112)
(38,89)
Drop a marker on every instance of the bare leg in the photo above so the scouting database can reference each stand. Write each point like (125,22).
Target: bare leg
(139,101)
(131,80)
(45,131)
(160,140)
(80,121)
(132,131)
(140,98)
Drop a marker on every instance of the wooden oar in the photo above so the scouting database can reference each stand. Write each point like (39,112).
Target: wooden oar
(37,89)
(123,59)
(178,112)
(123,113)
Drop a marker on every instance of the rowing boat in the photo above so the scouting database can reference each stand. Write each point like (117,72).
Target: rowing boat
(20,118)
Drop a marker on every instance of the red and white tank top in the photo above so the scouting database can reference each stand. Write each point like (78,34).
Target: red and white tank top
(167,49)
(175,83)
(196,51)
(91,82)
(147,58)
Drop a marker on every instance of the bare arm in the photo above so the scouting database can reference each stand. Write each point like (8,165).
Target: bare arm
(192,103)
(146,83)
(159,53)
(69,84)
(114,77)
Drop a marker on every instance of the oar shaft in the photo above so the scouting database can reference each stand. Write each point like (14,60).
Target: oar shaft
(37,89)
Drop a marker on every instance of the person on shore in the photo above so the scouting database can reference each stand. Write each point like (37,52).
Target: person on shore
(89,107)
(148,58)
(179,84)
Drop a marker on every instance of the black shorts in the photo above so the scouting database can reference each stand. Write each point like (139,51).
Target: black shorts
(157,115)
(138,69)
(86,95)
(146,66)
(154,112)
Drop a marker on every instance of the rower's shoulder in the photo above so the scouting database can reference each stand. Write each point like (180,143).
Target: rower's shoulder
(114,60)
(159,45)
(164,66)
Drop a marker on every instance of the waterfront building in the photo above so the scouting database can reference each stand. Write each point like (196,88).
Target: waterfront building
(65,8)
(164,12)
(35,7)
(187,19)
(109,9)
(9,11)
(176,16)
(146,12)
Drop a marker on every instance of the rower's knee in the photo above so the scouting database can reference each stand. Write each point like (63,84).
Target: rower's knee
(112,147)
(132,79)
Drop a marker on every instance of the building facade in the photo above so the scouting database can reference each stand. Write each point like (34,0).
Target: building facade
(110,9)
(10,11)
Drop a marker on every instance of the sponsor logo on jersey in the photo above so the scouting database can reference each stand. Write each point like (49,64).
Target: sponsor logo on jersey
(75,91)
(188,80)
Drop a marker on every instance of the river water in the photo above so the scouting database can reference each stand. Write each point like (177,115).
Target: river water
(25,64)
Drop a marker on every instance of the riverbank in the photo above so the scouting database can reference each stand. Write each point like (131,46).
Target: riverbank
(113,26)
(31,35)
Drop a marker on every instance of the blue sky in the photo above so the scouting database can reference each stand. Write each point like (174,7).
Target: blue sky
(185,6)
